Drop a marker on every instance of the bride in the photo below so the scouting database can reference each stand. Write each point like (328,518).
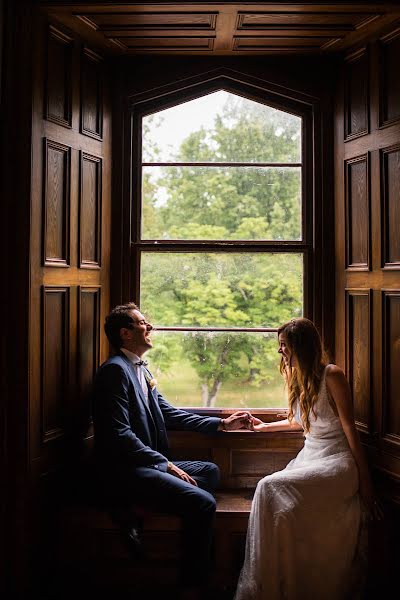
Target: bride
(305,521)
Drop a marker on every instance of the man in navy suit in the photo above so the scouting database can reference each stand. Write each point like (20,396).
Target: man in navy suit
(131,419)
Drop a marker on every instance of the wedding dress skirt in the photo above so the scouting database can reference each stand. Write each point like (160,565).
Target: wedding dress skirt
(304,524)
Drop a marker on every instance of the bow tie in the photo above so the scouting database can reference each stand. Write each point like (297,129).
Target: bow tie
(141,363)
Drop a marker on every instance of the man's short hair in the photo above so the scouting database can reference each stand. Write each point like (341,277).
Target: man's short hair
(119,317)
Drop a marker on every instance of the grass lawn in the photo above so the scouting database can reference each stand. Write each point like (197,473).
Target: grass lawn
(180,385)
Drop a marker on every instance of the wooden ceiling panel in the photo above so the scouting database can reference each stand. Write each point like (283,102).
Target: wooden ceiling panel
(154,44)
(155,20)
(224,28)
(284,44)
(304,20)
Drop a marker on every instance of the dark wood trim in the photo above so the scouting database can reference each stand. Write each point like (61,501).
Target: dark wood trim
(256,165)
(221,246)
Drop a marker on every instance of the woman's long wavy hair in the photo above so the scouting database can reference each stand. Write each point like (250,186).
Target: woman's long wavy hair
(304,343)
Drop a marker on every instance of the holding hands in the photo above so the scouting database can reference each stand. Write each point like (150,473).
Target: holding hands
(237,420)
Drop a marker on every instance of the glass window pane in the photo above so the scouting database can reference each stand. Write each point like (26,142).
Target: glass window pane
(210,203)
(221,289)
(239,370)
(221,127)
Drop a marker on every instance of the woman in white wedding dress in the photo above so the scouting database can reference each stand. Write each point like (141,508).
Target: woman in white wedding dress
(305,521)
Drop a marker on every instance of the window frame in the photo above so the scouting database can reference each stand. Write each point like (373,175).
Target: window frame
(303,107)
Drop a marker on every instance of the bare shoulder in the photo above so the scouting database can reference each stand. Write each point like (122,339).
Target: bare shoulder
(334,371)
(334,375)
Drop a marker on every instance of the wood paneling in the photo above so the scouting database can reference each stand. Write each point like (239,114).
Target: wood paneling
(279,28)
(357,198)
(390,367)
(390,82)
(69,249)
(243,458)
(55,356)
(56,213)
(58,104)
(88,345)
(356,95)
(390,219)
(91,94)
(90,211)
(136,22)
(368,252)
(358,353)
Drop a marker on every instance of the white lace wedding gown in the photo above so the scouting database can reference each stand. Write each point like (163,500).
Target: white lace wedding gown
(305,521)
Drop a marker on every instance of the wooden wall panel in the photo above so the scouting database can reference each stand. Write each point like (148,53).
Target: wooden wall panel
(92,94)
(356,95)
(390,219)
(243,458)
(57,173)
(367,274)
(391,366)
(55,356)
(358,353)
(69,243)
(90,211)
(58,103)
(357,213)
(390,82)
(89,337)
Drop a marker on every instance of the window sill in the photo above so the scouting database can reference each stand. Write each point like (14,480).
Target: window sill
(268,415)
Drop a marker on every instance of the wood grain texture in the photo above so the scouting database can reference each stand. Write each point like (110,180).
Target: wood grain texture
(390,367)
(390,218)
(358,354)
(356,95)
(357,227)
(390,86)
(91,94)
(56,210)
(58,103)
(121,29)
(55,361)
(90,211)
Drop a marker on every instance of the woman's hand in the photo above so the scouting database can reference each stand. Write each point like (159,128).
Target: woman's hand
(257,424)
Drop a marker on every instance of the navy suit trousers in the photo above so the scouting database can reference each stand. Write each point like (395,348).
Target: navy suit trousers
(168,494)
(195,505)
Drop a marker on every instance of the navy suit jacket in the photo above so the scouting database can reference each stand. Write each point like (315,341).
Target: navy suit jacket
(129,432)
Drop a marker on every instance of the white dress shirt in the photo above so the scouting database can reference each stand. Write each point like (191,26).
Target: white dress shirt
(139,372)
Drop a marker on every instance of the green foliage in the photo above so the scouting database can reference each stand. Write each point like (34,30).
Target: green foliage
(225,289)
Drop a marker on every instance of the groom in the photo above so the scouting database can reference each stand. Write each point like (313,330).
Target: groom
(131,419)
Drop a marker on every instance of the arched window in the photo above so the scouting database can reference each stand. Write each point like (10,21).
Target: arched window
(221,246)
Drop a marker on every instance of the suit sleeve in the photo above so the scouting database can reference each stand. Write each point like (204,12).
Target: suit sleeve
(111,418)
(181,420)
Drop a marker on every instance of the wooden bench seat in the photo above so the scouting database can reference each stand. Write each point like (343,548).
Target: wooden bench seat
(91,546)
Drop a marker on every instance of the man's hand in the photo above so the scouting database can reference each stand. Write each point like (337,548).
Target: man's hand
(237,420)
(180,474)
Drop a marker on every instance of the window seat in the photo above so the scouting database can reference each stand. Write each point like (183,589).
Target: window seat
(90,542)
